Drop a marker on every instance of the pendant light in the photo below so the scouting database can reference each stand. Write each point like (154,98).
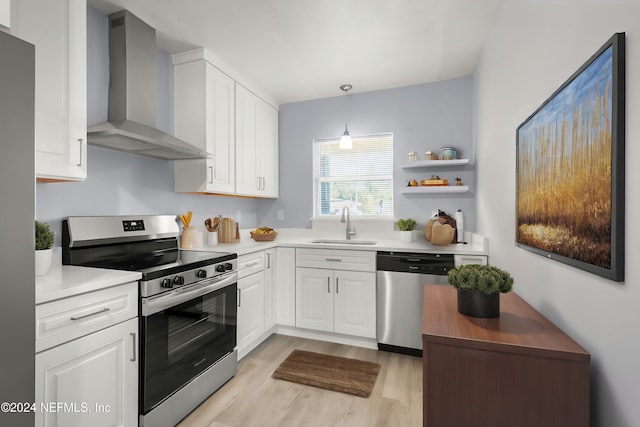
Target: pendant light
(345,141)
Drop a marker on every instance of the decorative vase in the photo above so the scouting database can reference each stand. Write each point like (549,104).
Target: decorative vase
(43,261)
(406,236)
(479,304)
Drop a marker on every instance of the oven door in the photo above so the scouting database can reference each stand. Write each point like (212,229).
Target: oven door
(184,332)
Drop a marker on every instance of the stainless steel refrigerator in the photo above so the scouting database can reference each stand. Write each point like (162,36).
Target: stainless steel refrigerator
(17,235)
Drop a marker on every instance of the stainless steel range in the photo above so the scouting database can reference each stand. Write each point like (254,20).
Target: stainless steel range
(188,307)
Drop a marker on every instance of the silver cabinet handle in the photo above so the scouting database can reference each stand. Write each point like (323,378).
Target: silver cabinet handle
(80,141)
(239,297)
(333,259)
(337,286)
(91,314)
(268,260)
(251,264)
(329,284)
(211,174)
(133,338)
(258,182)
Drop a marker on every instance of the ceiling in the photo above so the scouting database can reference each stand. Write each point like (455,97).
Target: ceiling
(296,50)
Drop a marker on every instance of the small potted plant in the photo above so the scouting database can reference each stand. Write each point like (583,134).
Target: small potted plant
(406,227)
(44,243)
(479,288)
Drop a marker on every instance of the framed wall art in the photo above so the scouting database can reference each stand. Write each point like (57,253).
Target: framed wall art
(570,188)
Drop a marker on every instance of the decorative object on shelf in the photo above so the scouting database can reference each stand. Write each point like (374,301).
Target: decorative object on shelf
(447,153)
(479,288)
(458,180)
(441,229)
(345,140)
(406,227)
(435,180)
(428,155)
(263,234)
(413,183)
(43,247)
(413,156)
(581,221)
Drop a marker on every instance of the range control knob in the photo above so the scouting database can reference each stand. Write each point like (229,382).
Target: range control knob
(228,266)
(201,274)
(220,268)
(166,283)
(178,281)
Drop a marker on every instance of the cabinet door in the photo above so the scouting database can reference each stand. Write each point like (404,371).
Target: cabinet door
(220,130)
(5,15)
(267,149)
(204,116)
(95,376)
(58,30)
(314,299)
(250,309)
(246,142)
(269,288)
(355,303)
(285,288)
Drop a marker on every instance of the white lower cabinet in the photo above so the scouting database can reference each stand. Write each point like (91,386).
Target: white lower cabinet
(285,286)
(255,285)
(90,381)
(336,301)
(250,309)
(269,289)
(470,259)
(87,359)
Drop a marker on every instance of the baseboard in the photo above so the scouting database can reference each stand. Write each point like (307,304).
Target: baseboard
(327,336)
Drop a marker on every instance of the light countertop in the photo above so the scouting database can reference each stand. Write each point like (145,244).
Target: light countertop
(64,281)
(301,238)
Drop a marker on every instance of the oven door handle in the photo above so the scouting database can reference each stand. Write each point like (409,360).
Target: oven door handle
(178,296)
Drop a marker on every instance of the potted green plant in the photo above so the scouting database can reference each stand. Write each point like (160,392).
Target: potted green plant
(44,245)
(479,288)
(406,227)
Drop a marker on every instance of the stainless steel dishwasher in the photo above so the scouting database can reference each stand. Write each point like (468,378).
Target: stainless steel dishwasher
(400,289)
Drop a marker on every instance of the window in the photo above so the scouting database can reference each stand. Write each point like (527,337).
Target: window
(360,178)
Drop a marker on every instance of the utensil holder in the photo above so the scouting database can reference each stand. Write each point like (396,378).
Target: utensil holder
(212,238)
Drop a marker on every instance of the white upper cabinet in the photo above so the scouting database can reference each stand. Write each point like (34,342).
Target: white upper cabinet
(204,117)
(58,29)
(256,145)
(5,15)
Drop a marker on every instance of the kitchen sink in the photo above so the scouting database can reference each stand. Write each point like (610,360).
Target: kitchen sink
(344,242)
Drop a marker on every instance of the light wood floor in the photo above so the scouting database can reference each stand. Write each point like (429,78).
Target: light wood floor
(253,398)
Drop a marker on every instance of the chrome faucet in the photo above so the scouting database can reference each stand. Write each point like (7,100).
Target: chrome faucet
(342,220)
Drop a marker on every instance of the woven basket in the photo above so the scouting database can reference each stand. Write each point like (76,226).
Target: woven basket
(263,237)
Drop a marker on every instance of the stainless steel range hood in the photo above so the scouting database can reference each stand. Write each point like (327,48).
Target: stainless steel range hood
(132,95)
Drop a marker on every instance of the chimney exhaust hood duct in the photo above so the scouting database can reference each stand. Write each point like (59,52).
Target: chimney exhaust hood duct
(132,95)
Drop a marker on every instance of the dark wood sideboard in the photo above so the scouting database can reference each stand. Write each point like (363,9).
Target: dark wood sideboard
(515,370)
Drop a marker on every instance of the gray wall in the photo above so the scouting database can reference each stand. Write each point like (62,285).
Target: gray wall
(535,46)
(421,117)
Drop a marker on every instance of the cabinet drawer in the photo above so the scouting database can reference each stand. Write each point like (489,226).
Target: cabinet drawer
(61,321)
(336,259)
(250,263)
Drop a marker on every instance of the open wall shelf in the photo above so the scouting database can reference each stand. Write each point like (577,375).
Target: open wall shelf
(435,189)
